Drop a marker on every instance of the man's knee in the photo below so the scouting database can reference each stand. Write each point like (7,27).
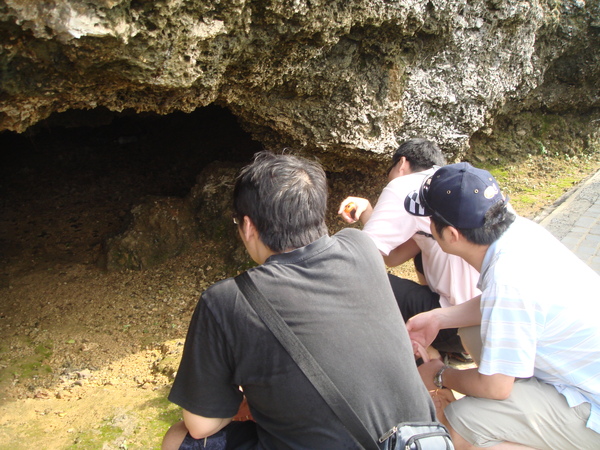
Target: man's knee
(174,436)
(413,298)
(471,341)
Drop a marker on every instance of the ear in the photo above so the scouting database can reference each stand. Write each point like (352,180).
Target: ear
(248,229)
(404,167)
(451,235)
(255,247)
(397,170)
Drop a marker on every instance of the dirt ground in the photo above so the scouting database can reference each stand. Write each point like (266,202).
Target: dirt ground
(87,356)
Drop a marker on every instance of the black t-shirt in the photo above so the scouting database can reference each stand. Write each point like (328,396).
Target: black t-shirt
(336,297)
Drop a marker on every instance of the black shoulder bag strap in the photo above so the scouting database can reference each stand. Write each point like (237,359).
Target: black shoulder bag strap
(305,361)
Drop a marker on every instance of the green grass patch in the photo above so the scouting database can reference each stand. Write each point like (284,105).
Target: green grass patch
(536,181)
(28,363)
(168,413)
(148,423)
(96,438)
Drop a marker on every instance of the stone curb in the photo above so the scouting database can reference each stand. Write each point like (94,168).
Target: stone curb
(575,220)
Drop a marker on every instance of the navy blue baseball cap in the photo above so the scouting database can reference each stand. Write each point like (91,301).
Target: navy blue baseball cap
(458,195)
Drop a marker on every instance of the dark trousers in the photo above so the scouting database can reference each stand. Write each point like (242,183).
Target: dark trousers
(235,436)
(414,298)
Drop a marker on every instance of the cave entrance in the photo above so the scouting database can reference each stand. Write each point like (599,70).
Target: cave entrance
(72,179)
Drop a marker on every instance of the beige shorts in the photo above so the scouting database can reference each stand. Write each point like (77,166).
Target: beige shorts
(535,414)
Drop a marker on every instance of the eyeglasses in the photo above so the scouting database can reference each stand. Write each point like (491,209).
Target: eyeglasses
(235,219)
(422,198)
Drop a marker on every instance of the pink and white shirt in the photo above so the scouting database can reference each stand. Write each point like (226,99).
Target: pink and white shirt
(390,225)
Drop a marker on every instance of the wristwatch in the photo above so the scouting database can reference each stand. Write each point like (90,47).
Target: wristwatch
(437,379)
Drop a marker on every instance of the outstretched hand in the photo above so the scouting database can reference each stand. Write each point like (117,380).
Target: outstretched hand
(351,213)
(420,351)
(422,329)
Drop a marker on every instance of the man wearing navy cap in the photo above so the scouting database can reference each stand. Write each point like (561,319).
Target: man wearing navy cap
(537,383)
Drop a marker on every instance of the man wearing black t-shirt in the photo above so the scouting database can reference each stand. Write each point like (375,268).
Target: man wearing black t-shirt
(333,293)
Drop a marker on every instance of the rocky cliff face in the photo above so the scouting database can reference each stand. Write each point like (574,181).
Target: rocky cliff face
(331,75)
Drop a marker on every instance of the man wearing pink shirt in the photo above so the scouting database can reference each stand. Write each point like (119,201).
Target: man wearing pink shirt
(400,236)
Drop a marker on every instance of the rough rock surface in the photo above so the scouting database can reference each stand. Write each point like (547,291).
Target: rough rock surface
(162,227)
(332,75)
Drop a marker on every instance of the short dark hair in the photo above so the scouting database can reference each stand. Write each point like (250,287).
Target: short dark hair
(285,196)
(497,220)
(420,153)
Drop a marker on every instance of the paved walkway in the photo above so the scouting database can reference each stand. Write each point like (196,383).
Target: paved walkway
(575,220)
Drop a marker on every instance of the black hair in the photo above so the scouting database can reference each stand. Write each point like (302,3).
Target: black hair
(285,196)
(420,153)
(497,220)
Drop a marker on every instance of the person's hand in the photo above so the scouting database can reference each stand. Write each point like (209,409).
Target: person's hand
(441,398)
(351,213)
(420,351)
(427,370)
(422,330)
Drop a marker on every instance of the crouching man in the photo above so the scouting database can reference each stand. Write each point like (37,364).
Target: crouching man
(537,344)
(333,293)
(449,279)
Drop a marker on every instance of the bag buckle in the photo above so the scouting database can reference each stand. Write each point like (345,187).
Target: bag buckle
(385,436)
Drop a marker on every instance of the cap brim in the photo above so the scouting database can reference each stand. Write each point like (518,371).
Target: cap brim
(414,206)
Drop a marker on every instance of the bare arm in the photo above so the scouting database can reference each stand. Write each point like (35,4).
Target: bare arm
(465,314)
(471,382)
(402,253)
(468,382)
(424,327)
(200,427)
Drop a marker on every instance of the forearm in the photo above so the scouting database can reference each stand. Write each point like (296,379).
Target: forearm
(466,314)
(402,253)
(470,382)
(200,427)
(366,214)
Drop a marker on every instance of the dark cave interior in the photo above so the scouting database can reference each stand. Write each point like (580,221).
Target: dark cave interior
(169,151)
(70,180)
